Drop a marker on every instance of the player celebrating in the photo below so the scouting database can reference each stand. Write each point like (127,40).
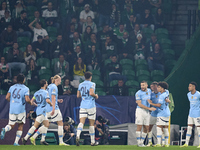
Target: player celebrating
(194,113)
(142,112)
(42,98)
(18,95)
(163,113)
(86,91)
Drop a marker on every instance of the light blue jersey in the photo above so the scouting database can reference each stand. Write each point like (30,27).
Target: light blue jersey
(154,99)
(87,100)
(194,104)
(40,98)
(52,90)
(163,110)
(143,96)
(17,98)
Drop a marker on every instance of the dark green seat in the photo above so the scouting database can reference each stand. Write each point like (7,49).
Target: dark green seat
(23,41)
(3,92)
(157,75)
(95,77)
(5,50)
(30,10)
(52,38)
(22,49)
(132,91)
(143,75)
(165,43)
(130,74)
(113,83)
(126,62)
(45,74)
(101,93)
(51,138)
(169,54)
(132,83)
(162,33)
(107,61)
(44,62)
(33,87)
(96,72)
(99,83)
(53,61)
(127,67)
(147,32)
(141,64)
(52,31)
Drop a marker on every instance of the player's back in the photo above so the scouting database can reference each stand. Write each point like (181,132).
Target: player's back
(17,98)
(154,99)
(87,100)
(163,111)
(52,89)
(143,96)
(194,104)
(40,98)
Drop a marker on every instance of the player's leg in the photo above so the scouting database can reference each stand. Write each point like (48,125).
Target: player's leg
(9,126)
(166,135)
(60,131)
(189,131)
(139,123)
(45,128)
(150,135)
(18,133)
(159,135)
(163,138)
(145,119)
(197,124)
(92,118)
(79,129)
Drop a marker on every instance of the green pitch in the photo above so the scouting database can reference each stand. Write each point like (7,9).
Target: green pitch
(87,147)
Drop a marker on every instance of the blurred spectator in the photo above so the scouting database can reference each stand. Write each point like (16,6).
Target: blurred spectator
(29,54)
(115,69)
(15,59)
(69,136)
(8,82)
(159,19)
(89,22)
(93,59)
(3,70)
(133,34)
(126,14)
(109,47)
(102,34)
(70,34)
(118,32)
(120,89)
(155,3)
(8,37)
(114,17)
(32,73)
(50,16)
(76,41)
(67,89)
(3,9)
(38,17)
(40,47)
(85,13)
(5,21)
(92,41)
(19,6)
(140,6)
(104,9)
(38,30)
(87,33)
(75,55)
(147,20)
(79,69)
(61,67)
(139,48)
(58,46)
(130,24)
(125,55)
(125,44)
(21,25)
(150,45)
(155,59)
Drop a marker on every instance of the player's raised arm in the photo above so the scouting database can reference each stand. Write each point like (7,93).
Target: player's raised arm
(93,94)
(8,97)
(145,107)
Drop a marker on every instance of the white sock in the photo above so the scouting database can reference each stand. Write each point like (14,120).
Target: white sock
(18,136)
(44,133)
(8,128)
(150,136)
(79,129)
(163,138)
(30,132)
(40,130)
(159,135)
(198,130)
(92,134)
(166,133)
(143,137)
(60,134)
(138,136)
(188,134)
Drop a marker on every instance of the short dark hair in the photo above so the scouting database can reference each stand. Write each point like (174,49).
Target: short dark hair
(42,82)
(20,78)
(23,11)
(163,84)
(88,75)
(144,82)
(194,83)
(154,83)
(40,37)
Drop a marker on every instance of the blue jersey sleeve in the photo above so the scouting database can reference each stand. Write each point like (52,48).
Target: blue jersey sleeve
(137,96)
(93,86)
(9,91)
(47,96)
(54,91)
(26,92)
(79,87)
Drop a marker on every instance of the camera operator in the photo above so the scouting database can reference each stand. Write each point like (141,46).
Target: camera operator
(69,136)
(102,133)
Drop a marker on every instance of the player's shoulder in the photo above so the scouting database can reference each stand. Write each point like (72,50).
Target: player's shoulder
(197,92)
(189,93)
(138,92)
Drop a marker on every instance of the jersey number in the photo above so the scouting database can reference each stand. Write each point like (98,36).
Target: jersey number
(85,92)
(39,98)
(16,95)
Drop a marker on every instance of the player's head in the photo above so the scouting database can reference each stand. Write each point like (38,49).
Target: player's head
(192,86)
(43,83)
(143,85)
(88,76)
(20,78)
(162,86)
(56,80)
(154,86)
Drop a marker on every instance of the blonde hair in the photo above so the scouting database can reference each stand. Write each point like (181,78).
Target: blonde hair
(54,78)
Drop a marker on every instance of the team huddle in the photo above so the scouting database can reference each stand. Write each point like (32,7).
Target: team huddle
(46,99)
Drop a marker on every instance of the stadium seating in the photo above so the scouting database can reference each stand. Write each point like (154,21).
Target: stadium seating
(169,54)
(141,64)
(130,74)
(157,75)
(44,62)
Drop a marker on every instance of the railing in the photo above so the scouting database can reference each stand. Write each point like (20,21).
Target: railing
(192,22)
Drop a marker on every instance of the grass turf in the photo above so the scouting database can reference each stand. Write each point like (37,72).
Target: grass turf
(87,147)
